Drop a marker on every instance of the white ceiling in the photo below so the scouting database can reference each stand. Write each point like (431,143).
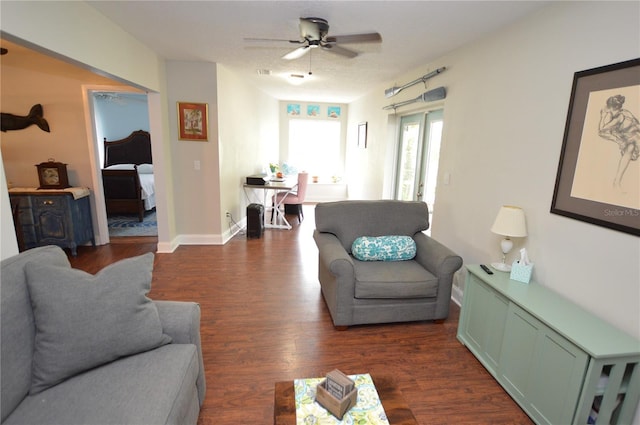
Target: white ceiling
(414,33)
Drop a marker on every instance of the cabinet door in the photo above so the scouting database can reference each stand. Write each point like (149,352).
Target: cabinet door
(541,369)
(52,218)
(25,223)
(483,321)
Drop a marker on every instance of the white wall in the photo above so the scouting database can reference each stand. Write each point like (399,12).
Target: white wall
(61,97)
(248,139)
(505,113)
(75,30)
(116,117)
(196,200)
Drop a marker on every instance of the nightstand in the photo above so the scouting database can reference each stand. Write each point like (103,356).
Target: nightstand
(53,217)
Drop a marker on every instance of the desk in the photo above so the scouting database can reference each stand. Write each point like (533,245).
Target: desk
(276,187)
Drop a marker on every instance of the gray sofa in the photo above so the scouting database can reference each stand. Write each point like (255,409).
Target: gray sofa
(160,381)
(362,292)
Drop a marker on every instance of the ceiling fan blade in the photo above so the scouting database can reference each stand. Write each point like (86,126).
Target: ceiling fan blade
(281,40)
(333,48)
(372,37)
(297,53)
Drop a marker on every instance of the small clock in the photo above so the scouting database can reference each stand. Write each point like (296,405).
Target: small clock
(53,175)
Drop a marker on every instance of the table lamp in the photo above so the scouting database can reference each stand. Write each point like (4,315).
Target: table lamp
(509,223)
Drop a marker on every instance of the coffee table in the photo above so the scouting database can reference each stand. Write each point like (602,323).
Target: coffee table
(398,413)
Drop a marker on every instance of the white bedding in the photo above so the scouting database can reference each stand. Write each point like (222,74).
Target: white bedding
(148,190)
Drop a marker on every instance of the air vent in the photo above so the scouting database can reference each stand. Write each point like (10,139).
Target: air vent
(264,72)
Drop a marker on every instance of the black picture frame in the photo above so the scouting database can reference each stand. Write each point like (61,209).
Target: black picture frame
(597,180)
(362,135)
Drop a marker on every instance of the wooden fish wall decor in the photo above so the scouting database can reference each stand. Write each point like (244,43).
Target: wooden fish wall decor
(16,122)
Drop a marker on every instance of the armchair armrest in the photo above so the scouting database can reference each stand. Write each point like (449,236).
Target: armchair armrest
(333,256)
(337,277)
(435,257)
(441,262)
(181,321)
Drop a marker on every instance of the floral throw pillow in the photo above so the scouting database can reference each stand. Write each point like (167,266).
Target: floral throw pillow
(384,248)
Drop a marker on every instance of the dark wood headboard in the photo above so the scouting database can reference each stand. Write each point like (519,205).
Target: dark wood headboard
(133,149)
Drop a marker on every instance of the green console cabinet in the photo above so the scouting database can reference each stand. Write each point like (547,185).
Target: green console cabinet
(483,323)
(556,360)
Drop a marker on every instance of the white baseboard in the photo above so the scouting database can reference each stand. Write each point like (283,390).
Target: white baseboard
(456,295)
(213,239)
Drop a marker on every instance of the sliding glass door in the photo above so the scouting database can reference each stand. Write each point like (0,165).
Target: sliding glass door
(418,157)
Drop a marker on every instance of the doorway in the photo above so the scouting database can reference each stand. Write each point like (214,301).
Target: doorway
(115,113)
(420,136)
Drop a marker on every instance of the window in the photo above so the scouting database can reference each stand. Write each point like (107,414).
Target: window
(418,158)
(314,146)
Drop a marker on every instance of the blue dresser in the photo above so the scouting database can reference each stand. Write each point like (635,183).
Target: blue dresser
(52,217)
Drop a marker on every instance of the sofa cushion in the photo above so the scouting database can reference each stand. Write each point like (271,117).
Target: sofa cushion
(384,248)
(154,387)
(83,321)
(401,279)
(17,330)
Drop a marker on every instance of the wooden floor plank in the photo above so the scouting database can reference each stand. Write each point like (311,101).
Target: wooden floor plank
(264,321)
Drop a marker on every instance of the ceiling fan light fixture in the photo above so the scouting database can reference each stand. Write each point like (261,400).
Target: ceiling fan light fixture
(297,53)
(314,33)
(294,78)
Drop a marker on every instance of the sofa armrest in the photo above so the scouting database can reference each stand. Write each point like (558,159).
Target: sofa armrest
(181,321)
(435,257)
(333,255)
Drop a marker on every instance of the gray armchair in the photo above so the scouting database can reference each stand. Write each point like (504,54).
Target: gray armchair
(362,292)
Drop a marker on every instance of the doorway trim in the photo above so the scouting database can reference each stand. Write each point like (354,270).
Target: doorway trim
(101,226)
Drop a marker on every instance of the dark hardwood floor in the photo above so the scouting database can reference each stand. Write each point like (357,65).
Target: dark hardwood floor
(264,320)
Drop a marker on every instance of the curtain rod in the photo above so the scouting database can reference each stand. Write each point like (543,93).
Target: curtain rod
(395,90)
(428,96)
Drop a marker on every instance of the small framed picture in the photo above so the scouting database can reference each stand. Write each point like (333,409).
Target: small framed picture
(333,112)
(193,121)
(362,135)
(293,109)
(313,110)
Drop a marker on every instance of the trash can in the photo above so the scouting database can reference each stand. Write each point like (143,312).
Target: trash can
(255,220)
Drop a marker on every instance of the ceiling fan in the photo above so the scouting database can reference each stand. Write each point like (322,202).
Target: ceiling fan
(314,34)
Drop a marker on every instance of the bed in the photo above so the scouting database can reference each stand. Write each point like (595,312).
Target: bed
(127,176)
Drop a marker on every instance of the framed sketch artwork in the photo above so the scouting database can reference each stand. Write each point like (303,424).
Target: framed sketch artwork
(598,179)
(193,121)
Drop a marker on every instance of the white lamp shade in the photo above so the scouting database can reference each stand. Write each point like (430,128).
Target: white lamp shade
(510,222)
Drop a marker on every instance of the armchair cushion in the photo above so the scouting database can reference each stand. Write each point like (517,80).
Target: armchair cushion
(83,321)
(405,279)
(383,248)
